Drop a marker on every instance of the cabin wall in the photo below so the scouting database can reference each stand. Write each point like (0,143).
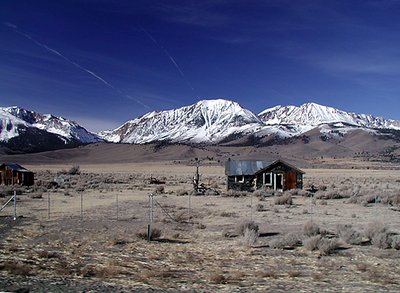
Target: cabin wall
(291,179)
(241,183)
(20,178)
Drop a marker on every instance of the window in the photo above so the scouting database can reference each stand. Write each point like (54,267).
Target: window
(239,179)
(267,179)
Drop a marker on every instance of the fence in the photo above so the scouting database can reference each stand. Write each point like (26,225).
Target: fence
(14,198)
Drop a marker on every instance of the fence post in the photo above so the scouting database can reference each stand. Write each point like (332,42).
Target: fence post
(190,207)
(48,205)
(117,207)
(15,205)
(151,202)
(81,205)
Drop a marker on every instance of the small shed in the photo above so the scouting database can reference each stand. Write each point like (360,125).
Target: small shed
(250,175)
(12,173)
(280,175)
(240,174)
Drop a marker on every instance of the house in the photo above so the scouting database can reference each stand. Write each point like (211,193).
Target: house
(241,174)
(279,175)
(251,175)
(11,173)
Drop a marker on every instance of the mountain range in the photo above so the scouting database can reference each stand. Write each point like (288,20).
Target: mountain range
(207,122)
(22,130)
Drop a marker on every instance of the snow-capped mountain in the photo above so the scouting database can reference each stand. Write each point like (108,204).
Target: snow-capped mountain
(214,121)
(36,131)
(208,121)
(310,115)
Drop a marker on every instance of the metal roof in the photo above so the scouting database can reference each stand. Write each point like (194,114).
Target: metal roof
(238,168)
(15,167)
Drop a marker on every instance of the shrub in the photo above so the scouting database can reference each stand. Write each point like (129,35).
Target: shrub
(259,207)
(218,279)
(250,225)
(160,189)
(396,242)
(310,228)
(181,217)
(382,240)
(211,191)
(16,267)
(374,228)
(393,200)
(235,193)
(324,245)
(261,193)
(155,233)
(283,200)
(379,235)
(327,246)
(333,194)
(228,214)
(288,241)
(74,170)
(181,192)
(312,242)
(250,236)
(349,235)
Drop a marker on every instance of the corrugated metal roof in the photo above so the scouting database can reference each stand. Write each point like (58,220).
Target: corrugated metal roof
(238,168)
(15,167)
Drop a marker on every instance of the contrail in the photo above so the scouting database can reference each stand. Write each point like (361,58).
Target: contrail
(169,57)
(15,28)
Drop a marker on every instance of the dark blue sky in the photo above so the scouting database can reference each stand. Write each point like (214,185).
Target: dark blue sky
(104,62)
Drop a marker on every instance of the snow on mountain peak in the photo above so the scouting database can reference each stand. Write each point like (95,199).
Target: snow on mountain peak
(312,114)
(206,121)
(13,118)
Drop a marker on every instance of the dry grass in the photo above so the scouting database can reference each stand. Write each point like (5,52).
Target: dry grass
(310,228)
(289,241)
(349,235)
(244,226)
(195,255)
(283,200)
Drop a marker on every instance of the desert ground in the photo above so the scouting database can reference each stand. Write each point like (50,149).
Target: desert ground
(88,233)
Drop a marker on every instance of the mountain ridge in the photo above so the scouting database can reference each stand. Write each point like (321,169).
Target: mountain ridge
(205,122)
(29,131)
(282,121)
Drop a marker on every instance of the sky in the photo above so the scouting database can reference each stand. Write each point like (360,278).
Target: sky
(103,62)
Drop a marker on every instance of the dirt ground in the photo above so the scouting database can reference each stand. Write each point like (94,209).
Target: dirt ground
(91,237)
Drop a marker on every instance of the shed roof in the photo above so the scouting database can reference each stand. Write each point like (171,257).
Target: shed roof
(239,168)
(15,167)
(277,162)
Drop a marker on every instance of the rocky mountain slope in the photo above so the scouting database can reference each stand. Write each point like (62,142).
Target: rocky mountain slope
(207,121)
(223,121)
(24,130)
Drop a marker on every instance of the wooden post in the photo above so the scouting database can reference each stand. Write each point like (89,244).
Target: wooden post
(151,202)
(48,205)
(15,205)
(117,206)
(81,205)
(190,207)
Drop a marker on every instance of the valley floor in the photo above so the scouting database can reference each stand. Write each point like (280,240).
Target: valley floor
(91,240)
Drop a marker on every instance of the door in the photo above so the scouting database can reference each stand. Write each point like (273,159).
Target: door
(291,180)
(278,181)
